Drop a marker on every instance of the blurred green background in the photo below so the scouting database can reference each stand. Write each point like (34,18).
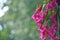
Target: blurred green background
(17,23)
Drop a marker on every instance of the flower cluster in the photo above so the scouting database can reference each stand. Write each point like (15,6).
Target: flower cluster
(40,17)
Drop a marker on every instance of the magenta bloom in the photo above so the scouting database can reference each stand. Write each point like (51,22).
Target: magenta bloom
(50,5)
(43,32)
(55,26)
(53,17)
(52,36)
(46,12)
(38,9)
(38,16)
(43,35)
(41,28)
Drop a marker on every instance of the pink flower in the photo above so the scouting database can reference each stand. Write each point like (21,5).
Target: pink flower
(46,13)
(52,36)
(50,5)
(43,35)
(51,30)
(38,9)
(41,18)
(43,32)
(55,26)
(53,17)
(38,16)
(41,28)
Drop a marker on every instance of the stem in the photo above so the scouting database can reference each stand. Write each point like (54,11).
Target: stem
(58,20)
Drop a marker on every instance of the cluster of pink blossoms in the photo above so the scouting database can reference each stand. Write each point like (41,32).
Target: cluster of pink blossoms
(40,17)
